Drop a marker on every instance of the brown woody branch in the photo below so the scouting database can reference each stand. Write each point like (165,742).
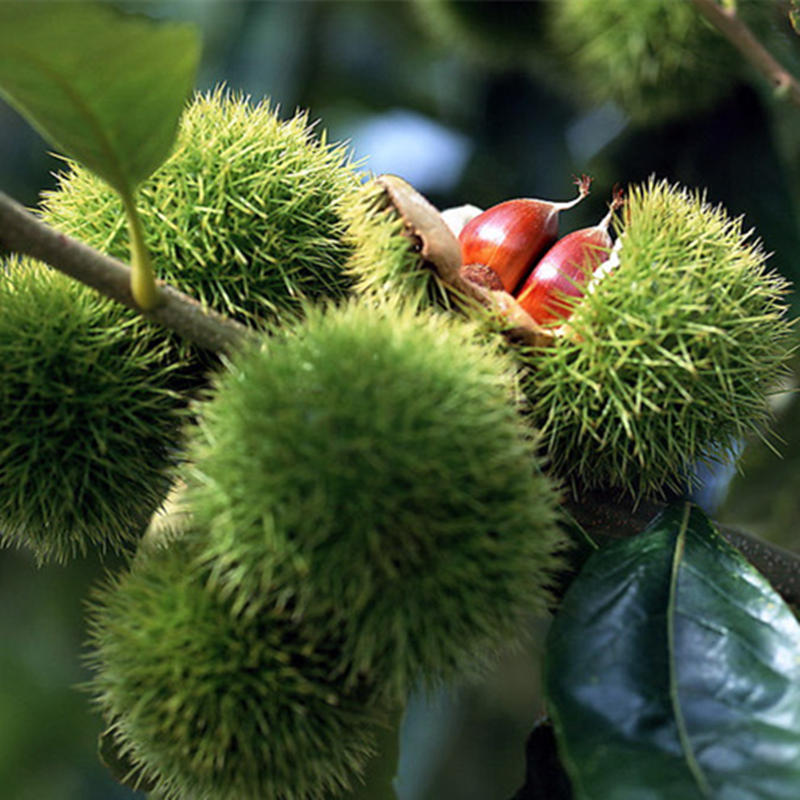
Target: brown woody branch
(23,233)
(742,38)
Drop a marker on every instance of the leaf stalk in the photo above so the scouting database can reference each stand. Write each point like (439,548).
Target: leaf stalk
(725,19)
(143,282)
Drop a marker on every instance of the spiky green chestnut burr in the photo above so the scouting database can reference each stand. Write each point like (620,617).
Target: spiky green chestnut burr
(670,357)
(243,215)
(379,457)
(657,59)
(88,419)
(386,260)
(209,704)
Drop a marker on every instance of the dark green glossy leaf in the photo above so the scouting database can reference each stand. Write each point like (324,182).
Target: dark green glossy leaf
(673,672)
(104,88)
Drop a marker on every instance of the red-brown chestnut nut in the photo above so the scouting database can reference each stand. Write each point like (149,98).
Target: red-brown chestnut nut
(508,238)
(565,269)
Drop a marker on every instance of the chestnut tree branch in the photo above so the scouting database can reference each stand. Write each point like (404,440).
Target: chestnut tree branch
(23,233)
(742,38)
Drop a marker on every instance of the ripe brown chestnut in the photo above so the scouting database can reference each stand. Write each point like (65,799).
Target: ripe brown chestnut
(509,238)
(565,269)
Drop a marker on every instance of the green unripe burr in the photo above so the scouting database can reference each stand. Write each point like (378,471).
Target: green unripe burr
(205,703)
(386,261)
(378,457)
(243,214)
(89,420)
(657,59)
(670,357)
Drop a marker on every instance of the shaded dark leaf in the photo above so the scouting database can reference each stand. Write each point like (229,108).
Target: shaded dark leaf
(674,672)
(104,88)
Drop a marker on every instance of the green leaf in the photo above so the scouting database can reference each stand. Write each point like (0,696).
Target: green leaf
(673,671)
(104,88)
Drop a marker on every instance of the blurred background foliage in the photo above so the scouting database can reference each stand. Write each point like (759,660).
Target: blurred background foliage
(472,102)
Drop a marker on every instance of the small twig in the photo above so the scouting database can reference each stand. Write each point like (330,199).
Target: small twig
(23,233)
(742,38)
